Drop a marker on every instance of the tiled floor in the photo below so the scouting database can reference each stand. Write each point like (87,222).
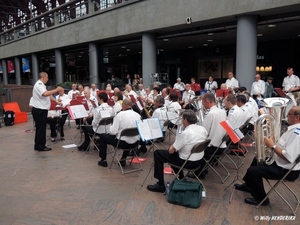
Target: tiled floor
(65,186)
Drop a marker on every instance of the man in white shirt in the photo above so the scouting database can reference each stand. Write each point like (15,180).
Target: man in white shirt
(94,90)
(40,103)
(123,120)
(141,90)
(128,91)
(236,116)
(249,111)
(165,92)
(258,87)
(187,97)
(179,85)
(90,130)
(92,103)
(211,123)
(231,82)
(286,151)
(180,150)
(73,92)
(291,83)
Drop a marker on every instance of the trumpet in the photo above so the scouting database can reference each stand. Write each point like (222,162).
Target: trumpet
(148,111)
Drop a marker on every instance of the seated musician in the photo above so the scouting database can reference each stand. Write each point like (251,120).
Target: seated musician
(128,91)
(236,116)
(58,117)
(286,151)
(187,97)
(148,98)
(174,107)
(165,92)
(92,103)
(90,130)
(73,92)
(211,123)
(161,113)
(118,99)
(180,150)
(123,120)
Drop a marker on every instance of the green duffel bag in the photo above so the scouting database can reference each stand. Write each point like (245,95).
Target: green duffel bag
(185,193)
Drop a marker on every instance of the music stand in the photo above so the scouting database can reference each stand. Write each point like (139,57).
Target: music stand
(149,130)
(280,92)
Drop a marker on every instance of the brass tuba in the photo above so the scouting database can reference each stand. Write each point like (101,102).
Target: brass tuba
(267,125)
(199,109)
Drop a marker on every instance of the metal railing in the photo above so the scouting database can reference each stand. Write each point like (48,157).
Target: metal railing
(72,10)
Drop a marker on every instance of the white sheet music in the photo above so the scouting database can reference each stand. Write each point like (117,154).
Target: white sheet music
(77,111)
(149,129)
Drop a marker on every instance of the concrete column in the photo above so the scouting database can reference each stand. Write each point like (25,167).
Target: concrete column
(35,68)
(149,57)
(93,63)
(56,18)
(59,66)
(246,50)
(91,7)
(4,68)
(18,71)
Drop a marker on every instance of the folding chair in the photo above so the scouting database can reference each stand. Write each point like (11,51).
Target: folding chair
(130,132)
(199,147)
(96,136)
(283,181)
(216,159)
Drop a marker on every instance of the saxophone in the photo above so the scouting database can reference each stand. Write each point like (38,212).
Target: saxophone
(267,125)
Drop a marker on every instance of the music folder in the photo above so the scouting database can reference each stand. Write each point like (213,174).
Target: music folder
(234,134)
(149,129)
(77,111)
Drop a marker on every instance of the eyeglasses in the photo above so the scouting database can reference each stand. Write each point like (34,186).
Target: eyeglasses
(289,114)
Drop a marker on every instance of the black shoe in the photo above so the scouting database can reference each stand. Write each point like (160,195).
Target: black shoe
(254,201)
(102,163)
(78,127)
(142,150)
(62,138)
(44,149)
(242,187)
(156,188)
(123,162)
(82,147)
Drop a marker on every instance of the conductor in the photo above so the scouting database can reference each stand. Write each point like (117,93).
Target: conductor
(40,103)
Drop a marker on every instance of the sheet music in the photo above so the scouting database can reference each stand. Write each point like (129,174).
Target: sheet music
(77,111)
(64,102)
(149,129)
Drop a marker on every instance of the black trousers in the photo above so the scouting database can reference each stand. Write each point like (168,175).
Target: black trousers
(53,122)
(163,156)
(106,139)
(253,177)
(40,119)
(87,130)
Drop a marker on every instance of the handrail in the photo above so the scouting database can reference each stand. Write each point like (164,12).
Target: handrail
(53,13)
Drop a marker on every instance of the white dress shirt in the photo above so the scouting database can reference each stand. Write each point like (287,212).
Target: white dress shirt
(232,83)
(211,123)
(187,96)
(174,107)
(236,117)
(39,101)
(211,86)
(185,142)
(125,119)
(290,82)
(97,117)
(289,142)
(179,86)
(258,87)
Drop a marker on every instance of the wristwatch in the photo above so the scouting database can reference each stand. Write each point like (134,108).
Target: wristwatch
(273,147)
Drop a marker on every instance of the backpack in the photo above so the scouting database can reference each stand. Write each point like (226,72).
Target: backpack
(9,118)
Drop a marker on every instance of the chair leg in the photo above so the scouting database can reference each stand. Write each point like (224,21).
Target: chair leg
(273,188)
